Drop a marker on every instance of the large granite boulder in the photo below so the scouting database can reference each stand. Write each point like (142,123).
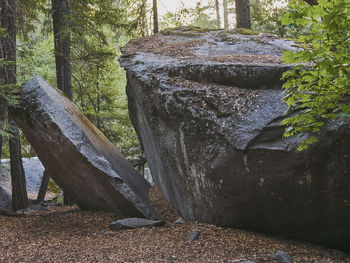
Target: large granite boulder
(207,107)
(77,155)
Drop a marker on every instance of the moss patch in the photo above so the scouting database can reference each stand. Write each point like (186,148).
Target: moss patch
(53,187)
(186,31)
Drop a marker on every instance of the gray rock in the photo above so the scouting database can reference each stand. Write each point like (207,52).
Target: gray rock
(148,176)
(193,235)
(242,261)
(135,223)
(33,169)
(281,257)
(35,208)
(180,220)
(207,108)
(78,156)
(5,198)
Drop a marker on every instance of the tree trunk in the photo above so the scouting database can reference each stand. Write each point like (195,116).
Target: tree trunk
(43,187)
(144,31)
(61,29)
(225,14)
(98,97)
(217,8)
(155,17)
(18,181)
(243,14)
(8,77)
(2,120)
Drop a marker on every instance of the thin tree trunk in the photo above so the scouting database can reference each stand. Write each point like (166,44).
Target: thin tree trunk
(98,98)
(155,17)
(61,30)
(60,18)
(8,77)
(18,181)
(144,31)
(217,8)
(43,187)
(2,120)
(243,14)
(225,14)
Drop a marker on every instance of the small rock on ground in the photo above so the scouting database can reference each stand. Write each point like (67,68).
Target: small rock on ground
(281,257)
(135,223)
(180,220)
(193,235)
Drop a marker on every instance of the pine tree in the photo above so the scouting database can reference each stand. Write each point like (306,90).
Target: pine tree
(61,28)
(155,17)
(217,9)
(243,14)
(9,78)
(225,14)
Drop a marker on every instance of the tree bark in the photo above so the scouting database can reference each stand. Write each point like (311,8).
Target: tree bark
(155,17)
(243,14)
(225,14)
(18,182)
(98,97)
(2,120)
(143,11)
(61,29)
(8,77)
(43,187)
(217,8)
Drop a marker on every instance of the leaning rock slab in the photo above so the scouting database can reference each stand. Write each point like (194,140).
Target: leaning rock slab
(207,107)
(78,156)
(129,223)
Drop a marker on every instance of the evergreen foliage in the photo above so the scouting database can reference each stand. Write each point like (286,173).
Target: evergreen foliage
(7,91)
(97,30)
(266,16)
(318,88)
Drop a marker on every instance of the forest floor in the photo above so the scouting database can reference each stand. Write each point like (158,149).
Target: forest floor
(67,234)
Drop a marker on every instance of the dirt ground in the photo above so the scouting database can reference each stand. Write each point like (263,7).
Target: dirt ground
(68,234)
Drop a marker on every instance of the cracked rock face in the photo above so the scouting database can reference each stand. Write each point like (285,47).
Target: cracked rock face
(207,107)
(77,155)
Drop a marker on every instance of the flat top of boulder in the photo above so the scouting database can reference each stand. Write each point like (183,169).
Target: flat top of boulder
(215,74)
(223,46)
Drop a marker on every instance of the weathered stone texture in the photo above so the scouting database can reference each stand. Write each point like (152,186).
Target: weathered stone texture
(77,155)
(209,120)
